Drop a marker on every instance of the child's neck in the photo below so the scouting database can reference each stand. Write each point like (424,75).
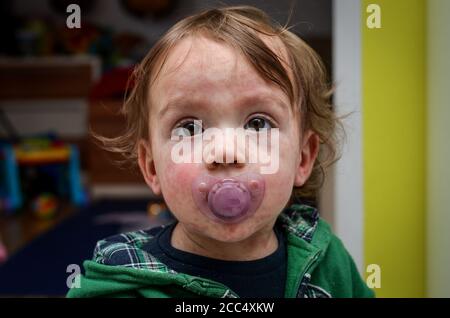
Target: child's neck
(257,246)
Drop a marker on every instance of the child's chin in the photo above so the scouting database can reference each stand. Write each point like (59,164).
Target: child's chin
(231,233)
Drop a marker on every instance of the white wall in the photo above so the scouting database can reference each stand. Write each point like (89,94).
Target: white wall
(342,197)
(67,117)
(438,159)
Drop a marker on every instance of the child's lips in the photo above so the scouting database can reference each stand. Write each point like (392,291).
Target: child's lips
(228,200)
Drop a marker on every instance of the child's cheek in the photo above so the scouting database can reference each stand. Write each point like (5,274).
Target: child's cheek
(281,182)
(278,189)
(176,181)
(170,173)
(181,175)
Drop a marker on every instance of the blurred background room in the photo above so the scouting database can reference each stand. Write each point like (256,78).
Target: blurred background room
(60,192)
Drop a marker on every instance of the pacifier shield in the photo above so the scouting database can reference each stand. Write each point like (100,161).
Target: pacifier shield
(228,200)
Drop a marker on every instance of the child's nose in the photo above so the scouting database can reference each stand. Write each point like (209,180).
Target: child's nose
(216,164)
(226,153)
(225,158)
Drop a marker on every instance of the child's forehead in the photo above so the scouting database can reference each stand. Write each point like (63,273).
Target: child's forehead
(201,66)
(205,52)
(203,59)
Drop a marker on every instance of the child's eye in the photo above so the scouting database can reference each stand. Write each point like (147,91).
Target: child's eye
(188,129)
(258,123)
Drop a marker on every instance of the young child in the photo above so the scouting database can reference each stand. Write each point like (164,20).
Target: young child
(239,232)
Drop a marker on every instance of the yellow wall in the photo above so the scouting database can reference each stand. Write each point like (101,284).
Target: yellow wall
(394,144)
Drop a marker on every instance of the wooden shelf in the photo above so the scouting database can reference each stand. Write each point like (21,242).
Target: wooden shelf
(46,78)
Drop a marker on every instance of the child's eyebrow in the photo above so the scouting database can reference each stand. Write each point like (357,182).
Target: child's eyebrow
(254,99)
(175,104)
(264,99)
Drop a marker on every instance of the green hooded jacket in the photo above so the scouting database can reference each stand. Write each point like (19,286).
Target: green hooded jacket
(318,266)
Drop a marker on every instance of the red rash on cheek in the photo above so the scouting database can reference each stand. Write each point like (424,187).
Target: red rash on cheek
(181,174)
(176,180)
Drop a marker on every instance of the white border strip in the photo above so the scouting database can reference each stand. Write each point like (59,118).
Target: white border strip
(438,150)
(348,190)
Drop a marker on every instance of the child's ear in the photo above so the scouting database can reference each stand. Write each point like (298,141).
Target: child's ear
(147,166)
(308,155)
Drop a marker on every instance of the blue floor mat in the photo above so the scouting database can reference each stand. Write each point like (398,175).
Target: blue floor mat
(39,269)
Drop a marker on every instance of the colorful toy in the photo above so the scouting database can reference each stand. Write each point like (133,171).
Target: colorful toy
(159,211)
(45,206)
(37,168)
(153,209)
(10,193)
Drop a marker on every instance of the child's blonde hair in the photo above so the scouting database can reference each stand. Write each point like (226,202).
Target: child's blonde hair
(242,27)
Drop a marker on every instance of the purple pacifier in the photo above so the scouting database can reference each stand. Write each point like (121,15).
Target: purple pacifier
(228,200)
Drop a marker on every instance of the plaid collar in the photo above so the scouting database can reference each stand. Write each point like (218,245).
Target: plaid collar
(300,220)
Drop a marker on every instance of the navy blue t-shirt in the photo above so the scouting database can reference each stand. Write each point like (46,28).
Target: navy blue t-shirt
(264,277)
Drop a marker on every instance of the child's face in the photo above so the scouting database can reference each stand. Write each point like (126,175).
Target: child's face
(208,81)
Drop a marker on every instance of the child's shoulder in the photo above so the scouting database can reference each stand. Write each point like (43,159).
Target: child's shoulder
(126,249)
